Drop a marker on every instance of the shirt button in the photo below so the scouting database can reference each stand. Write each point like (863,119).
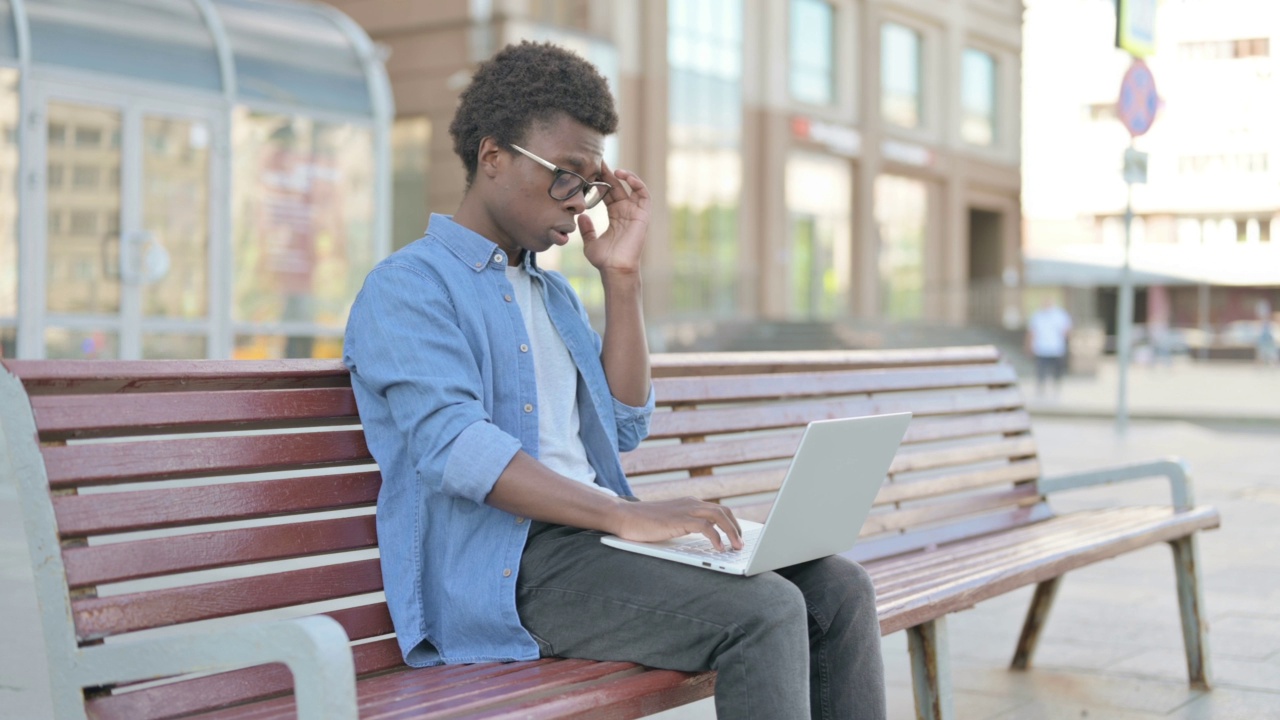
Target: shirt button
(479,265)
(519,521)
(524,348)
(506,572)
(528,408)
(507,298)
(497,258)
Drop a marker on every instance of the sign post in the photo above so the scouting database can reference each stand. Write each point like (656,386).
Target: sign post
(1136,108)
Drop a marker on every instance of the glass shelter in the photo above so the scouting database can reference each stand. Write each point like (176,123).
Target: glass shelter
(187,178)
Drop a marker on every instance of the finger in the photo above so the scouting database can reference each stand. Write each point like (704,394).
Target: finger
(731,528)
(587,228)
(712,534)
(639,190)
(618,190)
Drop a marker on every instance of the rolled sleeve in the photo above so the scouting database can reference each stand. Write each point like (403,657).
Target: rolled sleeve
(478,456)
(633,421)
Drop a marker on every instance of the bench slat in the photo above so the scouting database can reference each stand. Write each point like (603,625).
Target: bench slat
(641,694)
(936,600)
(737,419)
(932,512)
(92,514)
(774,361)
(903,575)
(42,377)
(98,464)
(114,562)
(750,482)
(948,484)
(915,540)
(733,388)
(229,688)
(96,618)
(649,459)
(64,416)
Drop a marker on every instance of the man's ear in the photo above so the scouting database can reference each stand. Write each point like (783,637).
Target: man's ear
(489,157)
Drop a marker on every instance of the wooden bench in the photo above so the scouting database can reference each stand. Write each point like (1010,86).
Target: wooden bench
(211,522)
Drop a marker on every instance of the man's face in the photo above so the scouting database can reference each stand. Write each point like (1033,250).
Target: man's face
(526,215)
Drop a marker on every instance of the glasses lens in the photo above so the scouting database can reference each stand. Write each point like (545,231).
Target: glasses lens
(594,195)
(565,186)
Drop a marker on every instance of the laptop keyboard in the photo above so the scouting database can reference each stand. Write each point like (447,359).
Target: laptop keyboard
(701,547)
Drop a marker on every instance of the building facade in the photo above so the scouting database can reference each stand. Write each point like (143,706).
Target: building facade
(1206,229)
(815,161)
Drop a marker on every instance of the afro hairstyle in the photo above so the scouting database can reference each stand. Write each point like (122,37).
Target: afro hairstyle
(526,84)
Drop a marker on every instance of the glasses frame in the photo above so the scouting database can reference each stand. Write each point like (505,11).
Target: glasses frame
(584,185)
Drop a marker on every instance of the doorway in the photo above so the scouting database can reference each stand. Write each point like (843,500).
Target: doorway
(124,263)
(986,268)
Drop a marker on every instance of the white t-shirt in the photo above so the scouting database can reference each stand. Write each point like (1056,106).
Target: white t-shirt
(559,446)
(1049,328)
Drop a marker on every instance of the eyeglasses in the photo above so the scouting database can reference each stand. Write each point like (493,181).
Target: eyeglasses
(568,183)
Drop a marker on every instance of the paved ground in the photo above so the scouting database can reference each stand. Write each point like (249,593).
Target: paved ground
(1112,646)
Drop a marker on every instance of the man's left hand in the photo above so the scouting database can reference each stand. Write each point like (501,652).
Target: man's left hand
(618,250)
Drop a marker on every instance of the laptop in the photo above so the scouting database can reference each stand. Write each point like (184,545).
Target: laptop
(825,498)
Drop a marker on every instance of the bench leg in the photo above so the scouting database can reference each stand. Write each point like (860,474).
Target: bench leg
(1037,614)
(931,670)
(1195,624)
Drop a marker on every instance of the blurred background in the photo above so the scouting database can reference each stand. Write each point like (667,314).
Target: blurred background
(213,178)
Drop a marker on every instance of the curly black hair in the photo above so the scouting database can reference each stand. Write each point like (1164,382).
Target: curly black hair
(523,84)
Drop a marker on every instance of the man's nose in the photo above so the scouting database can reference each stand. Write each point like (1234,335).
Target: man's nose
(576,203)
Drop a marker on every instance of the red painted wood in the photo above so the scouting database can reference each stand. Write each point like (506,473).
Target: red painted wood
(42,377)
(81,515)
(114,562)
(98,464)
(229,688)
(740,363)
(727,388)
(623,698)
(64,416)
(719,419)
(100,617)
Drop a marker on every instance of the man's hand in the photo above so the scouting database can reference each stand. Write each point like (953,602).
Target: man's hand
(657,521)
(617,251)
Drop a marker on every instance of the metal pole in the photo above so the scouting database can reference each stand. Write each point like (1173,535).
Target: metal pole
(1124,316)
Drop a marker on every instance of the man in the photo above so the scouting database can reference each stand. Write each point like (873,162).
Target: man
(497,414)
(1047,340)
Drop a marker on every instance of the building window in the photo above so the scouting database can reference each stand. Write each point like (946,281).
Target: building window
(978,97)
(812,46)
(1228,163)
(704,167)
(1225,49)
(902,206)
(819,193)
(901,60)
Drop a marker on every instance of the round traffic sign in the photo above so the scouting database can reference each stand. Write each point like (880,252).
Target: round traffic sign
(1138,99)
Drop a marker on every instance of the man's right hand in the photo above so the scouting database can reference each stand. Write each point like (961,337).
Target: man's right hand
(666,519)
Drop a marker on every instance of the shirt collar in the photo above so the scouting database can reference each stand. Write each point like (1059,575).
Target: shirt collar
(472,248)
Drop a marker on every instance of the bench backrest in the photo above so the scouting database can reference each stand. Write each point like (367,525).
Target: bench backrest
(188,493)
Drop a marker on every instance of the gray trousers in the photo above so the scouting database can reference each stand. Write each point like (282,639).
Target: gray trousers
(799,642)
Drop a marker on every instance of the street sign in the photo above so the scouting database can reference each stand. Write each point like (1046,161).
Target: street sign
(1135,166)
(1136,27)
(1138,100)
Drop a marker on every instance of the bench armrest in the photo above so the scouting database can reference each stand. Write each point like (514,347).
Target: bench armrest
(1172,469)
(315,649)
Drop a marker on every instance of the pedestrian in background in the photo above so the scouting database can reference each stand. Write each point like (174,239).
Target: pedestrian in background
(1047,340)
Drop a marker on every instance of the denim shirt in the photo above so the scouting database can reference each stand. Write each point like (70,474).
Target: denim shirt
(437,350)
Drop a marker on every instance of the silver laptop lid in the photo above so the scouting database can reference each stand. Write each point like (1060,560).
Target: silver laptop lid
(829,489)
